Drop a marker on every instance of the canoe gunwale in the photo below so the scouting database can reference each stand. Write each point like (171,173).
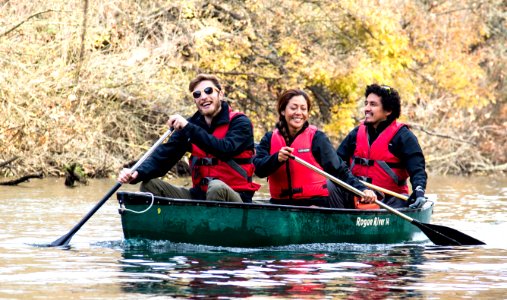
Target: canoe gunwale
(140,199)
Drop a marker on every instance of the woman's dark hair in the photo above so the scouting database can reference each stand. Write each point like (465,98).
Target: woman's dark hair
(203,77)
(389,97)
(281,104)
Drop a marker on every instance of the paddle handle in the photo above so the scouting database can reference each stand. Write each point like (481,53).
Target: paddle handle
(385,191)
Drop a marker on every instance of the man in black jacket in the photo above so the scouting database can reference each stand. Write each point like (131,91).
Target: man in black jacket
(385,152)
(221,144)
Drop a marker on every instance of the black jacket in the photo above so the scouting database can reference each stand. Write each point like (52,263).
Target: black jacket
(322,150)
(404,146)
(239,138)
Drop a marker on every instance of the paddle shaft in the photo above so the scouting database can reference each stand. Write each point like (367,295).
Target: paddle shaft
(65,239)
(349,187)
(385,191)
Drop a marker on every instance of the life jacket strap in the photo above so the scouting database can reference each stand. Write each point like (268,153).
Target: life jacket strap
(391,173)
(288,192)
(213,161)
(236,167)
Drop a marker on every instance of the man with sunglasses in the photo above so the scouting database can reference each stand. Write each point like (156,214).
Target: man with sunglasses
(384,152)
(221,145)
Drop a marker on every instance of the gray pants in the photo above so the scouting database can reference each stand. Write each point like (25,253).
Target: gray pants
(217,190)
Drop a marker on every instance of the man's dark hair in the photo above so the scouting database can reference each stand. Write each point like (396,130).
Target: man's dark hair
(203,77)
(389,97)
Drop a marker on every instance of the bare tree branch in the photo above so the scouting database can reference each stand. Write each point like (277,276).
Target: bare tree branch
(419,127)
(5,163)
(246,74)
(25,20)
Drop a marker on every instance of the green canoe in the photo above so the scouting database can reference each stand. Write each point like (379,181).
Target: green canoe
(259,225)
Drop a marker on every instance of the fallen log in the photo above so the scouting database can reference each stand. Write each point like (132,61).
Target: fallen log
(22,179)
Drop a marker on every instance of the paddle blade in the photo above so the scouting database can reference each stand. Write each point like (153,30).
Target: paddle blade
(445,236)
(65,239)
(62,241)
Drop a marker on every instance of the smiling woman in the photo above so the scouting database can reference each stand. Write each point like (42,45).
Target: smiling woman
(296,113)
(294,136)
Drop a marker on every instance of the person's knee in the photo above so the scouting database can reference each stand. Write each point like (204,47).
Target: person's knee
(216,185)
(148,186)
(216,188)
(156,187)
(220,191)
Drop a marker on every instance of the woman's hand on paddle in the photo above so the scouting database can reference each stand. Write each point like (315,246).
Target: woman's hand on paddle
(177,122)
(369,196)
(284,153)
(126,176)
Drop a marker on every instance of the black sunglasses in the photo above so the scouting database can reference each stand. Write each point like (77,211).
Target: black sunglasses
(386,88)
(207,91)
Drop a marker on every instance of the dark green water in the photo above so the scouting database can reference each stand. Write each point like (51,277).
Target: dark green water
(101,265)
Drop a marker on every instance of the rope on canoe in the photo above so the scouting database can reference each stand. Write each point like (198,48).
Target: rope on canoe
(142,212)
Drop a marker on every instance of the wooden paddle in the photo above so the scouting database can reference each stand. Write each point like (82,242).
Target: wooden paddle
(385,191)
(439,235)
(65,239)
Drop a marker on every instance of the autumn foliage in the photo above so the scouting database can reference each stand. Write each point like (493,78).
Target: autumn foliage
(93,82)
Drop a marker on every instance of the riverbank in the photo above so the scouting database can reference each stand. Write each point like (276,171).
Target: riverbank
(93,83)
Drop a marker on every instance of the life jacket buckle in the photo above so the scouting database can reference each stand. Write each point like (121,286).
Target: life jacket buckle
(364,178)
(207,161)
(363,161)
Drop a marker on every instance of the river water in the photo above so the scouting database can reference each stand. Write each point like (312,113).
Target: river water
(101,265)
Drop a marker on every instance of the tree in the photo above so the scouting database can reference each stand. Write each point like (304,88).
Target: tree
(104,107)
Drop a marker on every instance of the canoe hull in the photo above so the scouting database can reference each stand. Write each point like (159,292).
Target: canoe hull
(259,225)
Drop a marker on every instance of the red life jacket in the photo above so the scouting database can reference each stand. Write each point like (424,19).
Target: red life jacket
(236,173)
(376,164)
(295,181)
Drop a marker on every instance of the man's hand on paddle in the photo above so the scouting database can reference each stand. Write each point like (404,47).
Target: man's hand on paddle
(126,176)
(177,122)
(417,198)
(369,197)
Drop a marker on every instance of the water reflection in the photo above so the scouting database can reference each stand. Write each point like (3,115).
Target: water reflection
(279,273)
(466,271)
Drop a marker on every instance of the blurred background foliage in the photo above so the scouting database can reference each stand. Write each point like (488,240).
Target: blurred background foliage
(93,82)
